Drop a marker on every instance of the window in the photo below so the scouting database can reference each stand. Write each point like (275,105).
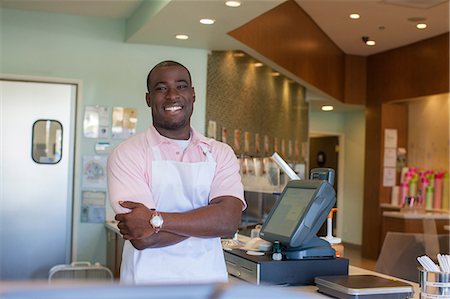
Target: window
(47,141)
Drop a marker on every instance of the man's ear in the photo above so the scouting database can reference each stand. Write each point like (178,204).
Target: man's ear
(148,100)
(193,93)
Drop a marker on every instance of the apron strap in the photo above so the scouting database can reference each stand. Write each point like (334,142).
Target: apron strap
(207,153)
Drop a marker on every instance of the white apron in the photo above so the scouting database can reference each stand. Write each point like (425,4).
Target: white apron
(177,187)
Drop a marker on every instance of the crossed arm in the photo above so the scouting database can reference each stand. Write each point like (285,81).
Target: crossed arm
(218,219)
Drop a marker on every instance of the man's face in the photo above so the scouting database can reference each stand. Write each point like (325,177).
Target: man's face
(171,98)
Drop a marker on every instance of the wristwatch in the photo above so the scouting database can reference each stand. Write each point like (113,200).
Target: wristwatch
(156,221)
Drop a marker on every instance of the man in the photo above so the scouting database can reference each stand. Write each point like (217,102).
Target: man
(175,192)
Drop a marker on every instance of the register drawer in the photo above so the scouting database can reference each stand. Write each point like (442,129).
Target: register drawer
(242,268)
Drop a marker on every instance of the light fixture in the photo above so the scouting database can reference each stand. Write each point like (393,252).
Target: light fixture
(207,21)
(233,3)
(327,108)
(258,64)
(238,54)
(275,74)
(421,26)
(354,16)
(368,41)
(181,36)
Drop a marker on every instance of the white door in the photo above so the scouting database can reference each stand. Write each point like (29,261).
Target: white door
(36,174)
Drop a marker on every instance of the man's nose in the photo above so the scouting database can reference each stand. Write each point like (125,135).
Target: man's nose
(172,93)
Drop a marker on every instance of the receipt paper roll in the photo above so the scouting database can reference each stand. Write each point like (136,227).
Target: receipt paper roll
(284,166)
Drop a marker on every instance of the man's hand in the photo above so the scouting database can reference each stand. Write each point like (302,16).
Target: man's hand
(135,224)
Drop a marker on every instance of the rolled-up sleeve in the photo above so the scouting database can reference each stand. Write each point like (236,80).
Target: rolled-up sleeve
(128,176)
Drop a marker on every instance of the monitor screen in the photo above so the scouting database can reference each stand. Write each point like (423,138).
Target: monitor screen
(299,212)
(289,211)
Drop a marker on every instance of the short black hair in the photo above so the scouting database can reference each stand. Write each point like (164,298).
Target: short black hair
(167,63)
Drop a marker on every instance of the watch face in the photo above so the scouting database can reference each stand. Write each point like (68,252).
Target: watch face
(157,221)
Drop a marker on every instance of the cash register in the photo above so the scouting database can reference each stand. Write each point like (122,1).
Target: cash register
(291,227)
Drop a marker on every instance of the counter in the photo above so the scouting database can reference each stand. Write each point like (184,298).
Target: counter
(232,290)
(427,215)
(309,291)
(429,222)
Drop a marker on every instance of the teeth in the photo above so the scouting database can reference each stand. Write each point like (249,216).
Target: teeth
(173,108)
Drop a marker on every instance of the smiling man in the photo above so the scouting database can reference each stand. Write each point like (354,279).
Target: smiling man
(174,191)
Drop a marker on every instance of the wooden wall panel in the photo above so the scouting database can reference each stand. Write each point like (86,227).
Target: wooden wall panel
(415,70)
(290,38)
(371,207)
(355,80)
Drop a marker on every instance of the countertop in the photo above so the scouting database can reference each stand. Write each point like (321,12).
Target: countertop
(112,225)
(412,215)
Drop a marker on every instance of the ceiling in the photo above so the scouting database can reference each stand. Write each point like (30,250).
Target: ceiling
(157,22)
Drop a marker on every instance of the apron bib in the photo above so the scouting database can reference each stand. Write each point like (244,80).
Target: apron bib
(178,187)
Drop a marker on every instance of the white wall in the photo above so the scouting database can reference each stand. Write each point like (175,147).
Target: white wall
(350,127)
(112,73)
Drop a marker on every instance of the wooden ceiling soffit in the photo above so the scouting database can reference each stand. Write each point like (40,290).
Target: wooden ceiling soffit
(288,36)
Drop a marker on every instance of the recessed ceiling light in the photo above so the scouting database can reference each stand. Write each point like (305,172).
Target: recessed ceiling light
(421,26)
(238,54)
(207,21)
(275,74)
(233,3)
(354,16)
(327,108)
(368,41)
(258,64)
(181,36)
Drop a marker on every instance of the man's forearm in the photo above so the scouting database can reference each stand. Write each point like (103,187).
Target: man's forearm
(161,239)
(220,218)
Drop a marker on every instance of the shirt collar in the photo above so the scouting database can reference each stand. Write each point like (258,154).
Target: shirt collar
(156,139)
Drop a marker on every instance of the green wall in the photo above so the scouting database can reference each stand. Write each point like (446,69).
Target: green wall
(350,126)
(112,73)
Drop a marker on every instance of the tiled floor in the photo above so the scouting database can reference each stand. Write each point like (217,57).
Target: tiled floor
(353,253)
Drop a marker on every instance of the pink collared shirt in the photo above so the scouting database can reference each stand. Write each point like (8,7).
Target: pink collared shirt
(130,171)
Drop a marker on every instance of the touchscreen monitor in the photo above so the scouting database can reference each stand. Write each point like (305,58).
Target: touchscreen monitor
(299,212)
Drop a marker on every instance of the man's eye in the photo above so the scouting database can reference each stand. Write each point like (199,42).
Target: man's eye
(160,88)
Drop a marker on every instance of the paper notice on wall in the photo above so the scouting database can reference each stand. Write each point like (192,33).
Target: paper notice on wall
(390,138)
(389,175)
(96,122)
(93,207)
(124,121)
(390,157)
(94,172)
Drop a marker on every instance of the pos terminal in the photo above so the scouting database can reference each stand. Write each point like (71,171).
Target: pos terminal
(292,225)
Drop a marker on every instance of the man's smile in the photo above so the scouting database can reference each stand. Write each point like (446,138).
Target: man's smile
(173,108)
